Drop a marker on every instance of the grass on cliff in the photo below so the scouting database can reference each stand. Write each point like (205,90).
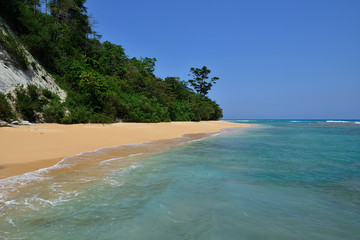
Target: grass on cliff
(12,46)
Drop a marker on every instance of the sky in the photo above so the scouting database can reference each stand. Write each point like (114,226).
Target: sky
(276,59)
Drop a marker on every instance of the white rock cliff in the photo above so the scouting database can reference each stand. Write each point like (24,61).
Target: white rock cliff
(11,76)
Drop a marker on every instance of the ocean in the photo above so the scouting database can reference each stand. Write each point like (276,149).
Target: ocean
(279,179)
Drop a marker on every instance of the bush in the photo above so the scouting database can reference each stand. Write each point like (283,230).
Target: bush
(49,95)
(79,114)
(101,118)
(53,112)
(6,111)
(33,102)
(27,104)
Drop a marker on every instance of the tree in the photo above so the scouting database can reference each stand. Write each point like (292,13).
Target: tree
(148,64)
(199,81)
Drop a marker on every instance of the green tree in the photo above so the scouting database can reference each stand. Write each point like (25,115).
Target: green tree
(148,64)
(6,112)
(200,80)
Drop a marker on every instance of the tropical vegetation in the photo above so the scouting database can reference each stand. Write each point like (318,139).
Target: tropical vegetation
(103,84)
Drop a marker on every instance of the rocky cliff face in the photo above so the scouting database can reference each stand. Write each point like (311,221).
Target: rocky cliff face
(11,75)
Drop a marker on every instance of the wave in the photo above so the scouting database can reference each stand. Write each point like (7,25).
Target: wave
(114,181)
(119,158)
(12,185)
(343,121)
(61,195)
(337,121)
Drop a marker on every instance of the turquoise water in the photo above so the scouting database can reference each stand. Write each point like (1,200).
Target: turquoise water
(276,180)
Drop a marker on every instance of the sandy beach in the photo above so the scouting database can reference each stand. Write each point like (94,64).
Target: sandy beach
(28,148)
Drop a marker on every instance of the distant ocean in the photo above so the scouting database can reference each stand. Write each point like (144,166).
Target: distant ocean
(279,179)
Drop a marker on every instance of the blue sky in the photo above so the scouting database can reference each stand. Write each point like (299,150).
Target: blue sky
(275,58)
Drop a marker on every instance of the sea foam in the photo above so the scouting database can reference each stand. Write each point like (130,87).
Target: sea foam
(333,121)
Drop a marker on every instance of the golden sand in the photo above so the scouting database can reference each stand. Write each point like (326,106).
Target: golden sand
(28,148)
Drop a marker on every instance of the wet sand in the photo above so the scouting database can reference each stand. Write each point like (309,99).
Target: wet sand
(28,148)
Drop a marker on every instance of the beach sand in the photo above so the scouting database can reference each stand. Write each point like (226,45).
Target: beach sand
(28,148)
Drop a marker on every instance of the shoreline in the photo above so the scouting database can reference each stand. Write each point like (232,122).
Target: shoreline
(29,148)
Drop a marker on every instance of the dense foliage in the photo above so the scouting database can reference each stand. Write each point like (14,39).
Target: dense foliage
(102,82)
(6,112)
(34,103)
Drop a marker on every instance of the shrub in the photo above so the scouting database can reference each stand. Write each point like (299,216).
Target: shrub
(32,102)
(80,114)
(6,111)
(49,95)
(54,111)
(101,118)
(27,104)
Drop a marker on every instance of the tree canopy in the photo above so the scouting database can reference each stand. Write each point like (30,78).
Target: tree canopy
(200,80)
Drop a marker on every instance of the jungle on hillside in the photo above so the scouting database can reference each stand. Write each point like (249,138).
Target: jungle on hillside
(103,84)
